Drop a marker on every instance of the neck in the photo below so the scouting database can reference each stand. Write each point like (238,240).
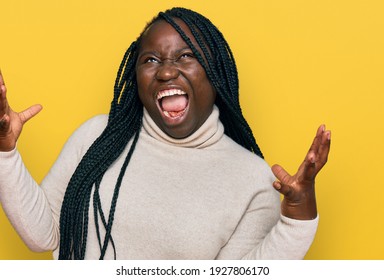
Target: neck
(208,134)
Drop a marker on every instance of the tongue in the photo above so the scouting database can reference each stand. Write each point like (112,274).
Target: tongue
(174,103)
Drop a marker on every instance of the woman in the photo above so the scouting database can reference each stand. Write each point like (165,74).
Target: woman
(173,172)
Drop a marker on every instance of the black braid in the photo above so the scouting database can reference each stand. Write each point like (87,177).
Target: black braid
(221,71)
(97,210)
(125,121)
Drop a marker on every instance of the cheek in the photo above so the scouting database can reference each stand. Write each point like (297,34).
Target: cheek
(142,85)
(140,79)
(206,90)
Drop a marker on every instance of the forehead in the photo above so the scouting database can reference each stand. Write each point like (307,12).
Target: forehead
(162,33)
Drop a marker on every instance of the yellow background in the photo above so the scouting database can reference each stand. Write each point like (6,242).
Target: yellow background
(301,63)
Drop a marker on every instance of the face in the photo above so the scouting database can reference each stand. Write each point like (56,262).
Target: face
(172,84)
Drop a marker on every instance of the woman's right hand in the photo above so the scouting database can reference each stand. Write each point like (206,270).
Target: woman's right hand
(11,122)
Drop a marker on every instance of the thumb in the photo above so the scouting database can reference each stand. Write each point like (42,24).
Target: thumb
(282,179)
(280,173)
(29,113)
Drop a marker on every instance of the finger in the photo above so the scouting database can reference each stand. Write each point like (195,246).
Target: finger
(3,98)
(307,170)
(318,154)
(282,188)
(317,140)
(280,173)
(1,79)
(29,113)
(4,124)
(4,118)
(3,88)
(3,101)
(324,149)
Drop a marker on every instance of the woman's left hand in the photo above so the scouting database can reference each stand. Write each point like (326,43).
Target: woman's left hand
(299,190)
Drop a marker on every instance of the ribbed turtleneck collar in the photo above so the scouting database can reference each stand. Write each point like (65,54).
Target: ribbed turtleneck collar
(208,134)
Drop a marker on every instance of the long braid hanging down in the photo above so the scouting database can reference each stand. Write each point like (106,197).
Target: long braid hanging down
(125,121)
(221,71)
(124,124)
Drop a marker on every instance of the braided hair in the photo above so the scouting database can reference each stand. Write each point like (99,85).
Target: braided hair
(125,121)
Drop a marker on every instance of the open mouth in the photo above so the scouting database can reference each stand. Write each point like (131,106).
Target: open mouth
(173,102)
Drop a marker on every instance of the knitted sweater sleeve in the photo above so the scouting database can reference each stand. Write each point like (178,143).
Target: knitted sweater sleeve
(263,233)
(34,210)
(289,239)
(286,239)
(25,204)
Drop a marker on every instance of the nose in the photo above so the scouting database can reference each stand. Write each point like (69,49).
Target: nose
(167,70)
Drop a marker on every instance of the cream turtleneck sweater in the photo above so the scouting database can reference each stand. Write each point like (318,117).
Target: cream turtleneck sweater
(202,197)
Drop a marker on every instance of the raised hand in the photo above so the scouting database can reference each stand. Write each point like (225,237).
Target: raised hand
(11,122)
(299,190)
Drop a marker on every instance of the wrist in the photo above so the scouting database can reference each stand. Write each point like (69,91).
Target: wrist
(304,208)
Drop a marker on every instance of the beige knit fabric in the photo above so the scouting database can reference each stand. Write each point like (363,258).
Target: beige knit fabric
(203,197)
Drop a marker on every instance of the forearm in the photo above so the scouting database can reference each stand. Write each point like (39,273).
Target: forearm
(25,204)
(264,233)
(289,239)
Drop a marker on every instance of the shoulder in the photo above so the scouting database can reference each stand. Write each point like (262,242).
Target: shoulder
(247,165)
(98,123)
(251,175)
(87,132)
(240,154)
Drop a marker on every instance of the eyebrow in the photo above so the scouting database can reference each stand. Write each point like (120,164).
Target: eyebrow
(155,53)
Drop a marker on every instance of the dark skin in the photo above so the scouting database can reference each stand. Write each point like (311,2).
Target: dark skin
(166,63)
(299,189)
(11,122)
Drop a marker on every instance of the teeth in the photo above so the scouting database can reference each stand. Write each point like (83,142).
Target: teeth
(174,114)
(170,92)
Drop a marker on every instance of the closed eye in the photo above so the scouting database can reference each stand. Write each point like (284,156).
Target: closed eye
(186,57)
(151,60)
